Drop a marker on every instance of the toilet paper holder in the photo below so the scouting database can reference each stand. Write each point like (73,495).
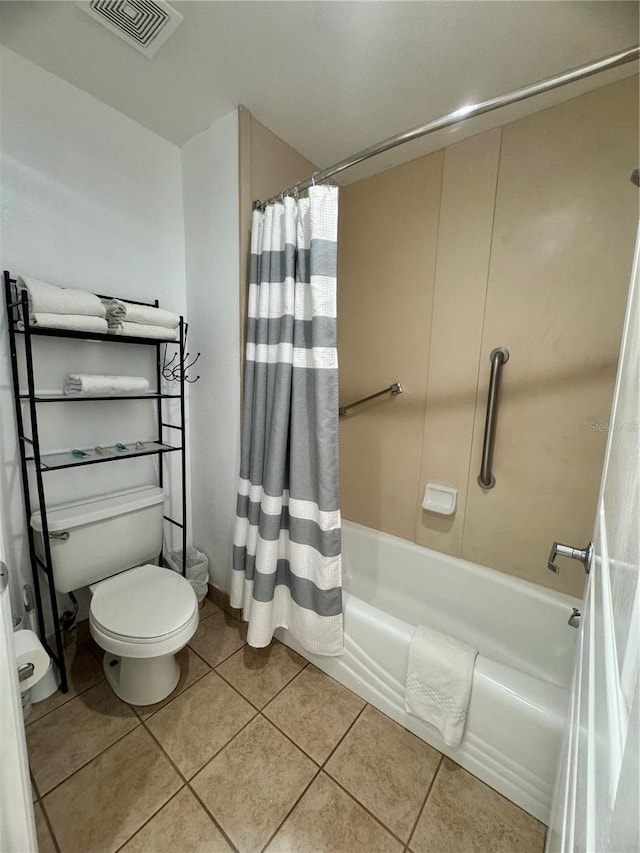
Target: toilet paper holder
(25,670)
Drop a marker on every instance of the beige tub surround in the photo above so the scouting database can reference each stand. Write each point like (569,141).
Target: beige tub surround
(462,270)
(519,237)
(561,256)
(386,260)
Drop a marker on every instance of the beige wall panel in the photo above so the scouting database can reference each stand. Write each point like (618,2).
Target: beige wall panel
(267,165)
(464,241)
(565,220)
(388,228)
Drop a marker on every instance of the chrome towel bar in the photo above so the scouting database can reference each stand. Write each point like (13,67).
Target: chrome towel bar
(394,390)
(499,357)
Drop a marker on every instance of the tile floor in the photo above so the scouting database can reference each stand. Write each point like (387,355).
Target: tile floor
(255,750)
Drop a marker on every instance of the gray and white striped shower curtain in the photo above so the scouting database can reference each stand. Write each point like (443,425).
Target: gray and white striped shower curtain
(287,553)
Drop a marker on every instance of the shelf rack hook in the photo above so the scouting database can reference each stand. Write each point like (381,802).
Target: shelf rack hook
(175,369)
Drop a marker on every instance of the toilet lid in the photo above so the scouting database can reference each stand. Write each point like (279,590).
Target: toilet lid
(143,603)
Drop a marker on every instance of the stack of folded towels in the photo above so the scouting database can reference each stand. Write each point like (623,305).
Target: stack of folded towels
(141,321)
(62,307)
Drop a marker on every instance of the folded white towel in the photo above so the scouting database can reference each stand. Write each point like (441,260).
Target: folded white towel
(48,299)
(73,322)
(142,330)
(439,679)
(146,314)
(87,384)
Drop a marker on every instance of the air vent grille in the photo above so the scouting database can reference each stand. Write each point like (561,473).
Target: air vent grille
(144,24)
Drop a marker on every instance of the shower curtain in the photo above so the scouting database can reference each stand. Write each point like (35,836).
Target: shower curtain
(287,543)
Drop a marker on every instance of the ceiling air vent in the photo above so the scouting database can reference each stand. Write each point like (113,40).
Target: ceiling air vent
(144,24)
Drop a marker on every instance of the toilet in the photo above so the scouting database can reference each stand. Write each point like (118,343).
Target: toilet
(141,614)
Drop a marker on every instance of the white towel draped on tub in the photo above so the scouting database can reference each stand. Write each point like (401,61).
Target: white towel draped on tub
(438,683)
(49,299)
(146,314)
(74,322)
(142,330)
(88,384)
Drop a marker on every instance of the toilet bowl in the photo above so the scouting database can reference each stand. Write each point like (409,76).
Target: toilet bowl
(141,618)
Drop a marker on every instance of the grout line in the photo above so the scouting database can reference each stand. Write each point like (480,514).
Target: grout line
(425,408)
(213,820)
(364,808)
(197,654)
(51,832)
(142,826)
(69,698)
(290,739)
(93,758)
(301,795)
(482,331)
(166,754)
(214,665)
(188,781)
(362,805)
(355,720)
(315,775)
(424,802)
(186,778)
(270,700)
(35,787)
(166,704)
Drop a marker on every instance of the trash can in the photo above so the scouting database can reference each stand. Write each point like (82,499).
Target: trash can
(197,569)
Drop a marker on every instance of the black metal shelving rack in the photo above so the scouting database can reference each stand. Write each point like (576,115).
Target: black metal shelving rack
(30,454)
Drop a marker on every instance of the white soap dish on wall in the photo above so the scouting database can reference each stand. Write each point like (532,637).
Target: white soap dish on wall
(440,499)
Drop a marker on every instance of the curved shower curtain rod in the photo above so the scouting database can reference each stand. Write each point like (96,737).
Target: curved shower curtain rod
(461,114)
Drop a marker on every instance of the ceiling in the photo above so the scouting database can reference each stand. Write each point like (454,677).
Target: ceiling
(328,77)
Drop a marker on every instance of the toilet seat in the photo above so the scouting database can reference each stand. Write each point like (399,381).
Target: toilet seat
(143,612)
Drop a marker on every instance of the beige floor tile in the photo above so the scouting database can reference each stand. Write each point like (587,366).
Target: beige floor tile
(106,802)
(207,608)
(251,785)
(192,668)
(180,825)
(386,768)
(463,815)
(83,670)
(314,711)
(199,722)
(74,733)
(218,636)
(43,833)
(326,820)
(260,673)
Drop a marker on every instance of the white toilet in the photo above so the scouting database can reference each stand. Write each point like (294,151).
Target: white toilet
(140,616)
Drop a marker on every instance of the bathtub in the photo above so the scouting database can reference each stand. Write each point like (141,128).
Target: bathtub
(515,726)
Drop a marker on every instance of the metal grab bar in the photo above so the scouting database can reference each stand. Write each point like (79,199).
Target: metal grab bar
(498,357)
(394,389)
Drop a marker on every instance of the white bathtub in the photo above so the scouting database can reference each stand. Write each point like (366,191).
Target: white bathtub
(518,704)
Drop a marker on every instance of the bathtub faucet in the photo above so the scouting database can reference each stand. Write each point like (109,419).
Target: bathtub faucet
(583,554)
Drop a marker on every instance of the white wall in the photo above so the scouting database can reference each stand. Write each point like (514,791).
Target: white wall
(210,181)
(90,199)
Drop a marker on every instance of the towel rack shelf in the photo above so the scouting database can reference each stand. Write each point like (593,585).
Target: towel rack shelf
(90,398)
(34,463)
(74,334)
(58,461)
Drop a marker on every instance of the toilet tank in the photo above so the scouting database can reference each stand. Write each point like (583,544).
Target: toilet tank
(96,538)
